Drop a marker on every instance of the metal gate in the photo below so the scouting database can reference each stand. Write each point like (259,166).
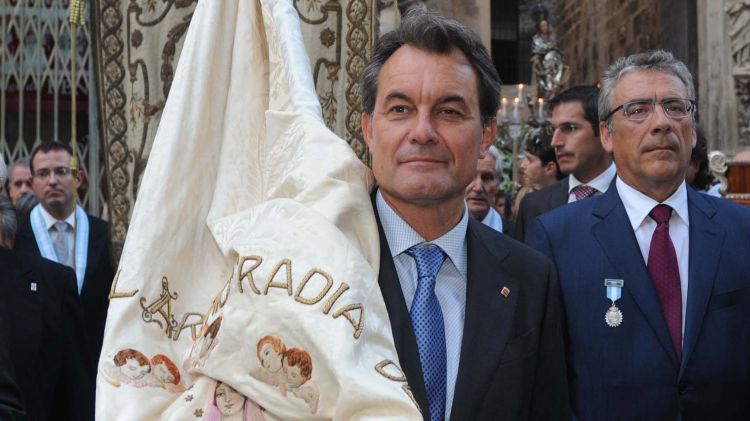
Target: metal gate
(35,87)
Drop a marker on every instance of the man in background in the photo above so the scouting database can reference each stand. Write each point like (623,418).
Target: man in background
(539,165)
(481,192)
(59,230)
(19,181)
(579,154)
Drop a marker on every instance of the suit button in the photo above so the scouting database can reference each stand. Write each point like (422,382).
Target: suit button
(681,388)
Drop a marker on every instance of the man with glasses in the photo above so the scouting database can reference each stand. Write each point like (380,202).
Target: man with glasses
(579,154)
(653,274)
(60,230)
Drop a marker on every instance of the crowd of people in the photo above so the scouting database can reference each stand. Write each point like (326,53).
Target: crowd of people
(627,301)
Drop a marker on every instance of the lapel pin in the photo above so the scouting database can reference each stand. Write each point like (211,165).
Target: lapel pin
(505,292)
(33,286)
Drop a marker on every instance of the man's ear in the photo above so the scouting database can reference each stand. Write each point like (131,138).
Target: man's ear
(489,132)
(550,168)
(605,136)
(366,123)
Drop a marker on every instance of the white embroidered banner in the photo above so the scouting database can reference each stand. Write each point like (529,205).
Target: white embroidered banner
(247,287)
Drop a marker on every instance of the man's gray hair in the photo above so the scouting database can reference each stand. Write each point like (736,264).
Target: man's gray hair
(8,222)
(657,60)
(494,152)
(434,33)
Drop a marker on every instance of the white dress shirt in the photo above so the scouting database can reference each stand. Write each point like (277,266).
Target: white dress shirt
(450,283)
(49,222)
(601,182)
(493,220)
(638,206)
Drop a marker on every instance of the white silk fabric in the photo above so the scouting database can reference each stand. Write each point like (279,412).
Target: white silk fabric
(247,287)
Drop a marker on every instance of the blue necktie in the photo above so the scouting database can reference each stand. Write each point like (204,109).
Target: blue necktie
(427,322)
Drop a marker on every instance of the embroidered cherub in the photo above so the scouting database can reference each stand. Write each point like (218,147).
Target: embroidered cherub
(130,367)
(166,374)
(297,367)
(270,351)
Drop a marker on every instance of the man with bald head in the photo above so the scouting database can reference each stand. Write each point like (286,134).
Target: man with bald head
(653,274)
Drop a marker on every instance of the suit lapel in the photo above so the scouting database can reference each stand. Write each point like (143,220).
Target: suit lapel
(559,196)
(398,315)
(486,311)
(615,234)
(706,238)
(93,254)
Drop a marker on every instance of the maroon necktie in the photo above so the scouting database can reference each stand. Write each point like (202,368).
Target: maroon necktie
(665,274)
(583,191)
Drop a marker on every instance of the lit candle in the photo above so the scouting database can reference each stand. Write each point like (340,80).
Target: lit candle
(540,110)
(516,110)
(520,90)
(504,108)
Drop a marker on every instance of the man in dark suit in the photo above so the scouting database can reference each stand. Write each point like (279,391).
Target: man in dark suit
(579,154)
(59,230)
(474,314)
(654,275)
(40,309)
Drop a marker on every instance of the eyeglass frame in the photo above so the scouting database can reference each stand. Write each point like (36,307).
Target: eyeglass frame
(690,108)
(60,172)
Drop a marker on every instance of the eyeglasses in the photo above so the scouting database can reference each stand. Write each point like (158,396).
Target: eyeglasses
(641,109)
(566,128)
(60,172)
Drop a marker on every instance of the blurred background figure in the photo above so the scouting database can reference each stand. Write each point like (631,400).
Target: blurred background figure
(19,181)
(481,192)
(698,174)
(539,166)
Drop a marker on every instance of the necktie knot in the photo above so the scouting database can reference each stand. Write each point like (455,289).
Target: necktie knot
(583,191)
(428,258)
(661,214)
(61,227)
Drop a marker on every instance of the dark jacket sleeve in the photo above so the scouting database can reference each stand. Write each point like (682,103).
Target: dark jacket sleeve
(550,400)
(11,402)
(76,387)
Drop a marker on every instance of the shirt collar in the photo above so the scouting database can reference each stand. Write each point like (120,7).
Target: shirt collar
(401,236)
(601,182)
(50,220)
(638,205)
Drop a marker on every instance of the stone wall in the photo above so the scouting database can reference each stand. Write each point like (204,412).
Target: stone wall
(593,33)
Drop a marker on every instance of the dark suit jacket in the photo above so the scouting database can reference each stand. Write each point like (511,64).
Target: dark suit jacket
(97,280)
(512,363)
(47,353)
(537,203)
(631,372)
(11,401)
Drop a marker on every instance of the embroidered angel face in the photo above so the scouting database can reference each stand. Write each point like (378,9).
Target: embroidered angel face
(133,364)
(271,352)
(228,400)
(164,370)
(297,367)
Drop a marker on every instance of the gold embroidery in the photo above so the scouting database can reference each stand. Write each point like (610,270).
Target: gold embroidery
(358,324)
(331,301)
(381,368)
(323,292)
(283,285)
(198,413)
(158,306)
(248,274)
(192,325)
(113,294)
(399,377)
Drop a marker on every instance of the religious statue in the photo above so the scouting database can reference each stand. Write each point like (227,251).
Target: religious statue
(549,73)
(739,32)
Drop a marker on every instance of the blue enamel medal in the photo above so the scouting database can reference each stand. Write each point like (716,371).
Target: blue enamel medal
(613,317)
